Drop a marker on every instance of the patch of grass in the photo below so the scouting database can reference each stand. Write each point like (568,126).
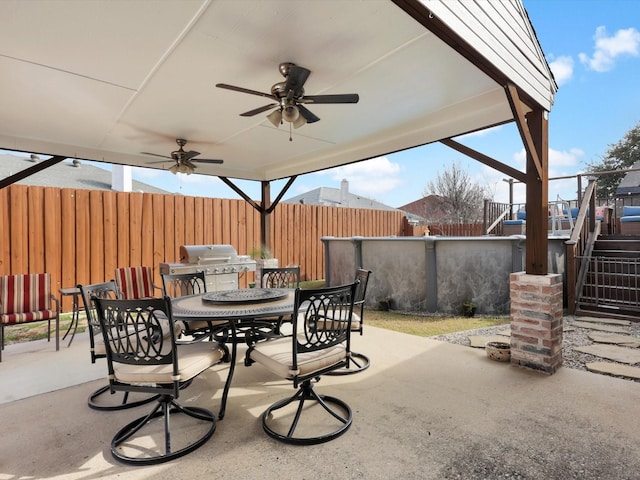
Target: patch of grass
(428,326)
(312,284)
(418,324)
(27,332)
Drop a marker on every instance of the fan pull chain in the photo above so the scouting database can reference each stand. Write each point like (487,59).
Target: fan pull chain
(290,139)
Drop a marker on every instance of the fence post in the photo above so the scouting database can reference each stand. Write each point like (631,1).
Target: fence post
(431,275)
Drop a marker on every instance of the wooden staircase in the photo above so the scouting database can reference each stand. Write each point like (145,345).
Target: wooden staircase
(611,282)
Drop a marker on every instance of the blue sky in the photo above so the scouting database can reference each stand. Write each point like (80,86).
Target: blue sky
(593,48)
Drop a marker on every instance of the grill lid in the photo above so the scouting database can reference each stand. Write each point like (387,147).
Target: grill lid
(207,253)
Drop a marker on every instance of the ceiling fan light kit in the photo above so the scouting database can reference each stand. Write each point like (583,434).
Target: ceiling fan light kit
(299,122)
(289,98)
(184,160)
(290,113)
(275,117)
(182,168)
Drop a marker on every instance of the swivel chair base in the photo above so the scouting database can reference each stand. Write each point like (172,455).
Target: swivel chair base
(306,392)
(359,362)
(123,405)
(166,407)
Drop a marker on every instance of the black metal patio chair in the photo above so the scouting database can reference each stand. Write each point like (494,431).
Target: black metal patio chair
(97,400)
(359,361)
(141,359)
(320,344)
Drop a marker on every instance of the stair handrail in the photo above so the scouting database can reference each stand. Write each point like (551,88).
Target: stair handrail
(580,245)
(499,220)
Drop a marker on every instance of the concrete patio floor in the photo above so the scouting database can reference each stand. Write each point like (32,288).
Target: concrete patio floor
(424,410)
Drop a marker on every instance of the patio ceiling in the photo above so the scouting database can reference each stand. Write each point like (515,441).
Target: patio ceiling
(106,80)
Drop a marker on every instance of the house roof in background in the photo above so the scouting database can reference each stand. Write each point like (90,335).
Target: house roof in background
(332,197)
(423,207)
(630,184)
(341,197)
(67,175)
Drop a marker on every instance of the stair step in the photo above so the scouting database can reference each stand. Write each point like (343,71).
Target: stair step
(595,311)
(607,321)
(618,237)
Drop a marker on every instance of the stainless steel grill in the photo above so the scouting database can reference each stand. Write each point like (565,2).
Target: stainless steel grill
(221,265)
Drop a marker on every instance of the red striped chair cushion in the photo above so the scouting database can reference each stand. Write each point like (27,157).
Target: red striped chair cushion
(135,282)
(12,318)
(25,298)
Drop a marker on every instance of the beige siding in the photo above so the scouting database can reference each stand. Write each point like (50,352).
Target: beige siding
(502,33)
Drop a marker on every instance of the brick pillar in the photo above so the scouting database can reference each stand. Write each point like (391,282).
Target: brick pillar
(536,321)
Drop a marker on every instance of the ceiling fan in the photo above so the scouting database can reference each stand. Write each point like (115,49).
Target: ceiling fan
(184,161)
(289,97)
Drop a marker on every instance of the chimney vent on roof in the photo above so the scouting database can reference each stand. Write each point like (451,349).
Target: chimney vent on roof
(344,193)
(76,163)
(35,158)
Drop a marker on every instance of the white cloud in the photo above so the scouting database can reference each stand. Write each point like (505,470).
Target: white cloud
(564,159)
(561,163)
(369,178)
(607,49)
(559,160)
(562,68)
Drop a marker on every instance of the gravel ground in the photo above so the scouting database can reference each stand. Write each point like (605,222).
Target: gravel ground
(571,337)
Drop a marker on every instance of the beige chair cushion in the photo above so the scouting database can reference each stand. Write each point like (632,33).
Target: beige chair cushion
(192,359)
(276,355)
(355,321)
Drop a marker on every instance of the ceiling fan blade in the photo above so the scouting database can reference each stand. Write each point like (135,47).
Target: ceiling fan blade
(255,111)
(155,155)
(342,98)
(245,90)
(307,114)
(208,160)
(295,79)
(186,156)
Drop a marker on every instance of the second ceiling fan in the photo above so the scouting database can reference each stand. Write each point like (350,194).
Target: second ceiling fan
(289,99)
(184,161)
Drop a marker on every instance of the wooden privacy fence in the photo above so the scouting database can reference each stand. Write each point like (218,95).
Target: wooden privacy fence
(82,236)
(445,229)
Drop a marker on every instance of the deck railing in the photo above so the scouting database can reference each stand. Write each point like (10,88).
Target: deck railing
(610,283)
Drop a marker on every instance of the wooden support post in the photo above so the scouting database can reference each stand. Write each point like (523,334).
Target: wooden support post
(265,216)
(537,194)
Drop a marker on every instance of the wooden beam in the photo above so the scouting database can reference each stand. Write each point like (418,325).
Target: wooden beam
(265,207)
(5,182)
(516,108)
(265,216)
(488,161)
(240,192)
(537,241)
(281,194)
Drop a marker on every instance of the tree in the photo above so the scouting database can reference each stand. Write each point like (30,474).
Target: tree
(462,199)
(619,156)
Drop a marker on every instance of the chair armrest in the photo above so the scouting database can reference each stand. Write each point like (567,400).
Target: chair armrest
(56,302)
